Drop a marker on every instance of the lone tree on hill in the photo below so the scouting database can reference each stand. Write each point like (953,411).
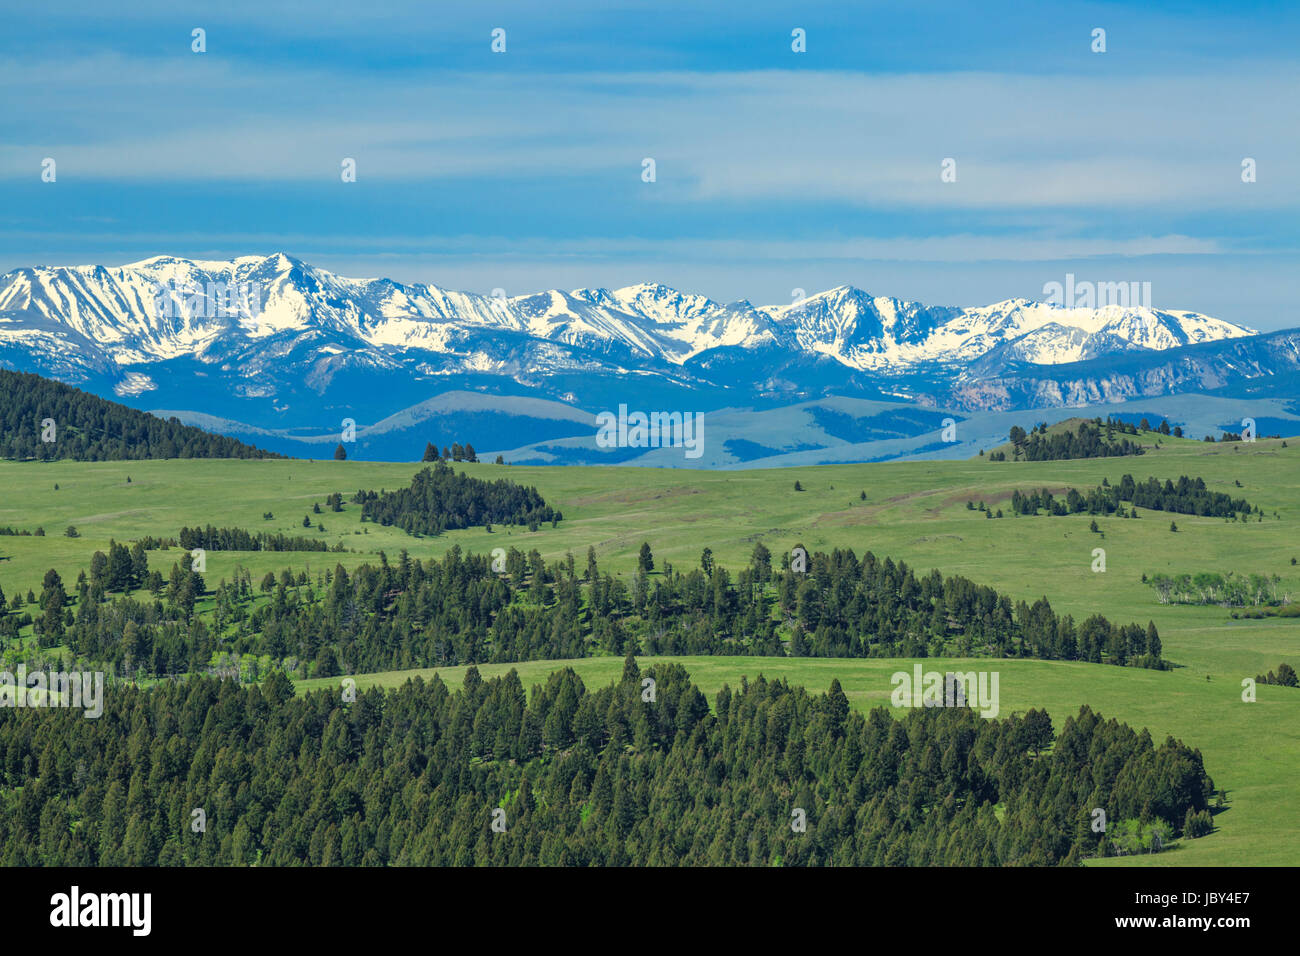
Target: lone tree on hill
(340,454)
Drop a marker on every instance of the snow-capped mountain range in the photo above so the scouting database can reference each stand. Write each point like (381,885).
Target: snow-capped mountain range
(280,353)
(113,319)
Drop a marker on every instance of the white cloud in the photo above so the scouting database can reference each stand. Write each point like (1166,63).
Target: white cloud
(1019,141)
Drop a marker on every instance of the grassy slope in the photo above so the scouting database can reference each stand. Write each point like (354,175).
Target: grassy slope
(1260,777)
(915,511)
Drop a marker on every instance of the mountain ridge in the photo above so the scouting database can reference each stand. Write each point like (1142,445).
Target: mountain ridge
(272,346)
(121,311)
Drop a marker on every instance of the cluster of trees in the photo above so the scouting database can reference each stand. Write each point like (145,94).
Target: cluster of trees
(1187,496)
(1234,436)
(128,636)
(458,610)
(440,498)
(1163,428)
(49,621)
(1197,823)
(121,569)
(1225,590)
(1285,677)
(846,607)
(237,539)
(88,428)
(1113,426)
(55,625)
(456,452)
(1093,439)
(205,772)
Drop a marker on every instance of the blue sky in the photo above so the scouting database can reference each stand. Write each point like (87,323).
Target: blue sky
(775,170)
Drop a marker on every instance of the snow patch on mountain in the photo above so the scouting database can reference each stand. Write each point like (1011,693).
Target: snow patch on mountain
(319,323)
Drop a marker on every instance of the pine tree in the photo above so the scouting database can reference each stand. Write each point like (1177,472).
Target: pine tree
(631,672)
(53,598)
(1153,640)
(837,708)
(119,567)
(139,565)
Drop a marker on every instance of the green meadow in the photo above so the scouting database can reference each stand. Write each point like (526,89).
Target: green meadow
(913,511)
(1251,750)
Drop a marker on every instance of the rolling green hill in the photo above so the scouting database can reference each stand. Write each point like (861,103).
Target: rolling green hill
(914,511)
(43,419)
(1208,715)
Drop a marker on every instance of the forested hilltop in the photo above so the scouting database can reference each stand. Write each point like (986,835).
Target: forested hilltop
(440,499)
(86,427)
(206,772)
(463,610)
(1189,496)
(1089,439)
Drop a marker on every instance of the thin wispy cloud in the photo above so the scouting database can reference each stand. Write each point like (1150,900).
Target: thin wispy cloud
(533,159)
(1016,141)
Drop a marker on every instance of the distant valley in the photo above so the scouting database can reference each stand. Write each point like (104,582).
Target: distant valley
(278,353)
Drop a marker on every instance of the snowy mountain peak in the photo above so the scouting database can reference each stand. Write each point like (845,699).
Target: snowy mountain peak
(254,312)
